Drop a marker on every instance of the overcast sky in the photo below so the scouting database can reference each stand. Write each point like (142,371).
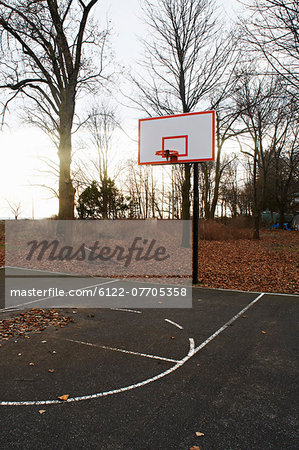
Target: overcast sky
(22,148)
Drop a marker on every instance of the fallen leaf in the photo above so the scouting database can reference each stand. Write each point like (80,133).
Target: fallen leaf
(42,411)
(195,447)
(244,317)
(35,320)
(198,433)
(51,370)
(64,397)
(198,365)
(264,332)
(172,337)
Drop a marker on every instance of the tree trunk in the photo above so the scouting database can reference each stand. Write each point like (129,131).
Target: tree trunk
(215,196)
(206,190)
(217,170)
(256,225)
(281,213)
(66,189)
(105,197)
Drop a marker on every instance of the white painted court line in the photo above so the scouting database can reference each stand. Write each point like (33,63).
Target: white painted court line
(191,347)
(245,292)
(192,351)
(174,323)
(13,308)
(227,324)
(114,349)
(38,270)
(127,310)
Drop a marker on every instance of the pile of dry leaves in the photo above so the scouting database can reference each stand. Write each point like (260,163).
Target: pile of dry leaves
(266,265)
(34,320)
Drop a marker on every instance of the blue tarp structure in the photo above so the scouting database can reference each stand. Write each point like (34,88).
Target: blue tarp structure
(272,219)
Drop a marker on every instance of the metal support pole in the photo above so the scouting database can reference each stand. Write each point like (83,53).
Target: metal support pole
(195,224)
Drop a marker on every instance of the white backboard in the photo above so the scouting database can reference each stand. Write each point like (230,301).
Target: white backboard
(180,138)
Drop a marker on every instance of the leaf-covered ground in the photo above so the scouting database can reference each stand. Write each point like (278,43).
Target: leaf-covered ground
(35,320)
(267,265)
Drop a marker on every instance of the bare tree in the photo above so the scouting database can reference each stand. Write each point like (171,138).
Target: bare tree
(273,30)
(211,175)
(15,208)
(139,185)
(99,130)
(254,114)
(101,126)
(230,189)
(43,62)
(227,127)
(266,115)
(184,62)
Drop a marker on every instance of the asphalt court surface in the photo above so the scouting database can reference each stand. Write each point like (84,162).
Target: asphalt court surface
(152,378)
(103,292)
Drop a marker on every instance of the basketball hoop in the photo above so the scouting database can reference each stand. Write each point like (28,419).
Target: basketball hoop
(191,136)
(170,155)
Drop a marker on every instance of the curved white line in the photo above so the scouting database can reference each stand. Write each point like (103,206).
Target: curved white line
(192,346)
(114,391)
(127,310)
(174,323)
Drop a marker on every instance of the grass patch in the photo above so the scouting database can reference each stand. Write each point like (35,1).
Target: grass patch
(211,230)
